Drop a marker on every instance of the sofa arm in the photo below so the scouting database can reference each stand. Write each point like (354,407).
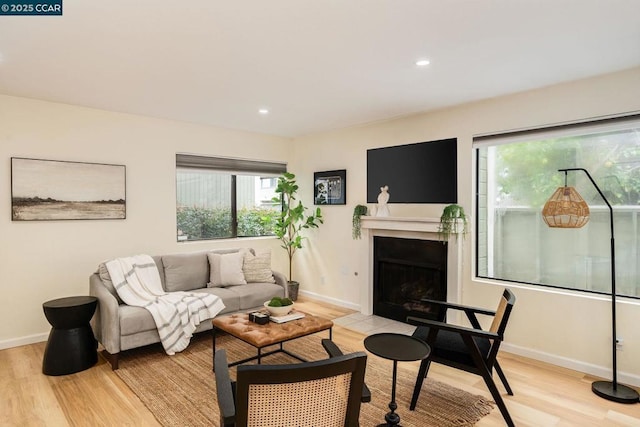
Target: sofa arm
(105,322)
(281,280)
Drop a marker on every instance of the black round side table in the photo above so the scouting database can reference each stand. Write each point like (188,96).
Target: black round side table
(399,348)
(71,346)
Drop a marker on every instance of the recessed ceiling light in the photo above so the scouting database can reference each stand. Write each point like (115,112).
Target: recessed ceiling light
(422,62)
(263,111)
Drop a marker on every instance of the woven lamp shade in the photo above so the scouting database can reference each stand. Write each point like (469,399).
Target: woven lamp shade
(566,209)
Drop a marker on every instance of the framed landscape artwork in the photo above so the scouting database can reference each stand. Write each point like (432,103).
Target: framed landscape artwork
(330,187)
(44,190)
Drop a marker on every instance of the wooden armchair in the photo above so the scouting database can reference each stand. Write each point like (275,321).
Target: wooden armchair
(470,349)
(326,392)
(333,351)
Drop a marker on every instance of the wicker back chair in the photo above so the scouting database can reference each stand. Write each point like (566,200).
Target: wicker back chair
(470,349)
(327,392)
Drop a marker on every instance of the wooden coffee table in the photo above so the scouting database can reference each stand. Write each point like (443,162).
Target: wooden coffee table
(261,336)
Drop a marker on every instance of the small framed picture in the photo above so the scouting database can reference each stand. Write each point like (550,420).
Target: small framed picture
(330,187)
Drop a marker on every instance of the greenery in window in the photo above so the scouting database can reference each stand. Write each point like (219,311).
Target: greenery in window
(526,172)
(198,223)
(523,170)
(201,223)
(206,208)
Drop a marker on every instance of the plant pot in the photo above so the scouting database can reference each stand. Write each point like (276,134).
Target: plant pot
(278,311)
(292,289)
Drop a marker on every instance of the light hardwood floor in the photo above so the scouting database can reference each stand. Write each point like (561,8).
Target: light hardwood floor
(545,395)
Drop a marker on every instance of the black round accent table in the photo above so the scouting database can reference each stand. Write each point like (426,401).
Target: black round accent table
(71,346)
(399,348)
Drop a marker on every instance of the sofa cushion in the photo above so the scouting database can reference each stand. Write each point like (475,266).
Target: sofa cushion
(254,295)
(230,299)
(185,272)
(134,320)
(226,269)
(257,267)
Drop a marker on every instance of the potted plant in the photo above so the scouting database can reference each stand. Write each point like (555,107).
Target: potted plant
(358,211)
(452,221)
(291,221)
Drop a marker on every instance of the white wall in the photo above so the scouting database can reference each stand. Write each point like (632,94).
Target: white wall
(40,261)
(563,327)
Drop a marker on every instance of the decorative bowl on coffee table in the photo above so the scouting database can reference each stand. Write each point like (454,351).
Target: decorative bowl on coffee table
(278,311)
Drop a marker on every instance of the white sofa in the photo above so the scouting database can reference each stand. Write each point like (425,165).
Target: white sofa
(119,327)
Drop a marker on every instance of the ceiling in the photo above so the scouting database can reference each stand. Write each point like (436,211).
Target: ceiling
(315,64)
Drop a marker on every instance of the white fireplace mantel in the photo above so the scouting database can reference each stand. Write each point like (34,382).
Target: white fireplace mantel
(410,228)
(401,223)
(428,225)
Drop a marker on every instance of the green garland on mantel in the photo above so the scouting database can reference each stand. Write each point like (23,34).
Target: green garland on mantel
(358,211)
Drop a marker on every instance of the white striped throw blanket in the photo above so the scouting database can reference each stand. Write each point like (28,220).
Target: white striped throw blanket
(176,314)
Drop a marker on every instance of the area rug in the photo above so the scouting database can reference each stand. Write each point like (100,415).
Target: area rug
(180,390)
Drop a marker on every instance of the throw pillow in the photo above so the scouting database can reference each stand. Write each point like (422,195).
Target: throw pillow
(257,267)
(226,269)
(185,271)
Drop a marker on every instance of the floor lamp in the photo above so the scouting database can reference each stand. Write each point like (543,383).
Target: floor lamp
(567,209)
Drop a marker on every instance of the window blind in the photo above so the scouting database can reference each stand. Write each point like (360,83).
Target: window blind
(560,130)
(229,164)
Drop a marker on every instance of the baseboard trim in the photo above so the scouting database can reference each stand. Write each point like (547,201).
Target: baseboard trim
(334,301)
(17,342)
(576,365)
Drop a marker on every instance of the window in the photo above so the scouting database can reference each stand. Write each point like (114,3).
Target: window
(221,198)
(516,174)
(266,183)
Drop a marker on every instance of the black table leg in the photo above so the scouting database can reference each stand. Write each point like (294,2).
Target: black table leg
(396,347)
(213,335)
(391,418)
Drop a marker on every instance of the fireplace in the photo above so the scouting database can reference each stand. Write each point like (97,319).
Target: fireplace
(404,272)
(412,228)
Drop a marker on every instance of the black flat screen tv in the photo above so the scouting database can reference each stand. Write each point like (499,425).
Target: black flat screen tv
(424,172)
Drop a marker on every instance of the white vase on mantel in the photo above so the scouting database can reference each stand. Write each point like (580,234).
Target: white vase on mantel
(383,198)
